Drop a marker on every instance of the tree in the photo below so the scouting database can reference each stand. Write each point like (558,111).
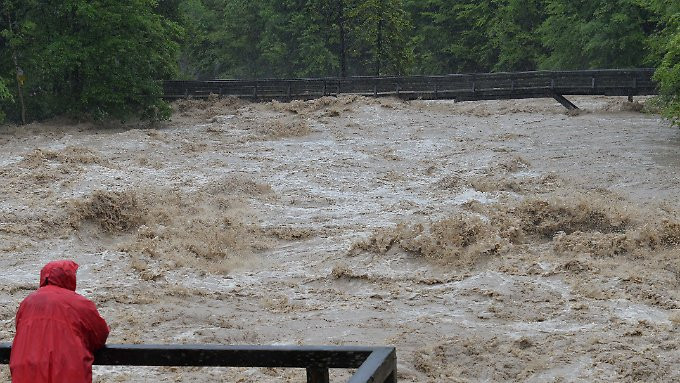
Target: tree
(512,32)
(668,77)
(341,21)
(382,30)
(100,58)
(4,96)
(665,44)
(228,38)
(4,92)
(270,38)
(197,58)
(324,42)
(451,36)
(170,9)
(585,34)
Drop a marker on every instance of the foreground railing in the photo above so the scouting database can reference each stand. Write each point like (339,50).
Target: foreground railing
(373,364)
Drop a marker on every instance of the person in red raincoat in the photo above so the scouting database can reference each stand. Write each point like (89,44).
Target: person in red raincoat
(57,331)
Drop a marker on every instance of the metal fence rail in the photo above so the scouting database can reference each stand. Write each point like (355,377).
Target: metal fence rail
(373,364)
(463,87)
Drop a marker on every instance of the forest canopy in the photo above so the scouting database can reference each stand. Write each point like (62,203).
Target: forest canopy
(100,58)
(105,58)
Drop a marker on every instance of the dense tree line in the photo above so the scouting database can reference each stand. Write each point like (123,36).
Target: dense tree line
(102,58)
(98,58)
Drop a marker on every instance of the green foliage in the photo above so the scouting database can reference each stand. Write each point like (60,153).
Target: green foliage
(315,54)
(583,34)
(295,38)
(476,36)
(101,58)
(664,46)
(322,44)
(668,77)
(227,38)
(512,32)
(5,95)
(4,92)
(451,36)
(382,30)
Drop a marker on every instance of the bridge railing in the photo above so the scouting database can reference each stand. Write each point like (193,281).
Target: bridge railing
(615,82)
(372,364)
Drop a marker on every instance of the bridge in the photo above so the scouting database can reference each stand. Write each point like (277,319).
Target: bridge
(372,364)
(459,87)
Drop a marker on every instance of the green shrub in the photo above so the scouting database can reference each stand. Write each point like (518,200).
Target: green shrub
(101,59)
(4,96)
(668,77)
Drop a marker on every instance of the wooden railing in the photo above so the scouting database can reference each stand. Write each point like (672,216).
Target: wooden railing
(462,87)
(373,364)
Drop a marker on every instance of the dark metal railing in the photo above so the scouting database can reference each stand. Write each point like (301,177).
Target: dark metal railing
(373,364)
(478,86)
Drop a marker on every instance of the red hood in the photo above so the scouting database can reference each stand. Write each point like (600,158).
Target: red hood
(59,273)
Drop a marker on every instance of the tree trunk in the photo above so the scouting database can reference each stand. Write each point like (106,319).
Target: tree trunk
(379,46)
(343,45)
(18,70)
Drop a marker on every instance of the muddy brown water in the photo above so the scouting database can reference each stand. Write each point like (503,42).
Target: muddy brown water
(488,241)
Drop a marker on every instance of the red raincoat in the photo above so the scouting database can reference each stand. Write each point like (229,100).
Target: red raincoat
(57,331)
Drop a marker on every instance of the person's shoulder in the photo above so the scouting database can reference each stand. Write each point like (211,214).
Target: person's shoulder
(30,298)
(45,295)
(81,300)
(40,293)
(54,292)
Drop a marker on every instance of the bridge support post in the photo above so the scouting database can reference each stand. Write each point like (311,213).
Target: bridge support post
(317,375)
(562,100)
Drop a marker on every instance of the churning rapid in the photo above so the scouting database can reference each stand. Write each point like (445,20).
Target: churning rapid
(488,241)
